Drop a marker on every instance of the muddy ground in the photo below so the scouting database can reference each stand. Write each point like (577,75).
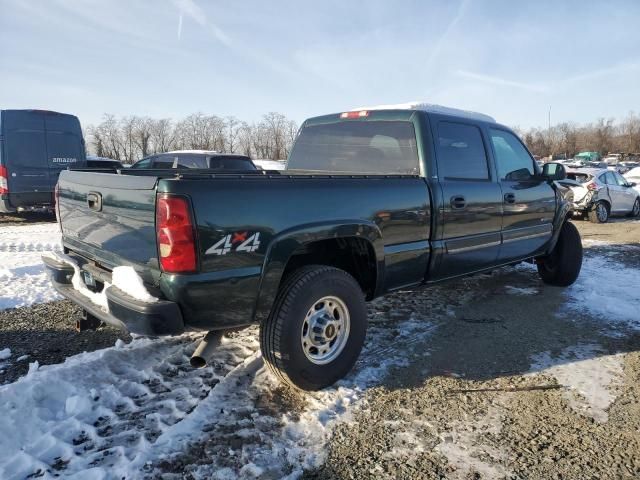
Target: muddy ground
(509,384)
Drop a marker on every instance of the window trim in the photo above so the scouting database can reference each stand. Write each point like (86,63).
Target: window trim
(436,145)
(536,168)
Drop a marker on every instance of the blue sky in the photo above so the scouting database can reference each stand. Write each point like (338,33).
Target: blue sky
(512,60)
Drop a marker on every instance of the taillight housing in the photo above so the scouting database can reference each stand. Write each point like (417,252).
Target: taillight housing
(4,180)
(592,186)
(175,234)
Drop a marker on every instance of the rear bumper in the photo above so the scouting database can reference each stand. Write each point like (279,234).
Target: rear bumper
(11,202)
(159,318)
(5,205)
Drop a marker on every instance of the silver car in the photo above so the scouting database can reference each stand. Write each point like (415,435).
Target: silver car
(599,193)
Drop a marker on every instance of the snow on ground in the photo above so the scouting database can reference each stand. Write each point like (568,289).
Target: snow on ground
(607,290)
(591,377)
(125,410)
(23,280)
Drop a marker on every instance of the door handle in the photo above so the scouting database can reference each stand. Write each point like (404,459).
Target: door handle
(458,202)
(510,198)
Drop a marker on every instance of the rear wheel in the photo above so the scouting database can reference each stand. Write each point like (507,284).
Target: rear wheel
(316,329)
(599,213)
(636,208)
(562,266)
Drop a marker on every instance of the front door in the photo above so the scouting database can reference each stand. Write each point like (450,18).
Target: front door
(529,203)
(471,208)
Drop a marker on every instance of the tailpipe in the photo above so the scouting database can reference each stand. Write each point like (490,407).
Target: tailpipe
(205,349)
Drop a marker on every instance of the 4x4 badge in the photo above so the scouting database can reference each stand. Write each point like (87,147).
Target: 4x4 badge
(235,242)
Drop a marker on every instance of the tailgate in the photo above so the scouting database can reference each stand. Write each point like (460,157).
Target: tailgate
(110,219)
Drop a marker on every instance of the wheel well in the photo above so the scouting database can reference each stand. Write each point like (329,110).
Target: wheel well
(352,254)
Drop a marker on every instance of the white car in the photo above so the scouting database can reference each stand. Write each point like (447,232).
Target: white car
(633,177)
(599,193)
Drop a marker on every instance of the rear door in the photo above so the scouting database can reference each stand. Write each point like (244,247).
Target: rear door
(472,200)
(65,145)
(529,202)
(25,151)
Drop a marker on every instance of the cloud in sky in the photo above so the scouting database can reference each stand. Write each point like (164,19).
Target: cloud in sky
(511,60)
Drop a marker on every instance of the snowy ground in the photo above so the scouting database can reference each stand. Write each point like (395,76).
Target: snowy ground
(139,410)
(23,280)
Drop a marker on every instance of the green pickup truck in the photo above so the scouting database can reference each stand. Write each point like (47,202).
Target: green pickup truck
(372,201)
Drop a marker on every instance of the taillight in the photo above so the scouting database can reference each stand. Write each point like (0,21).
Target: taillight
(592,186)
(174,230)
(4,180)
(358,114)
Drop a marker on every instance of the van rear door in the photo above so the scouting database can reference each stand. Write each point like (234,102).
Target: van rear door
(25,152)
(65,145)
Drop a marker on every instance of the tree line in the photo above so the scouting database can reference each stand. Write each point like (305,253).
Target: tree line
(130,138)
(604,136)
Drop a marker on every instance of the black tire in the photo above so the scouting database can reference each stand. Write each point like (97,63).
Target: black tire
(562,266)
(280,335)
(636,209)
(599,213)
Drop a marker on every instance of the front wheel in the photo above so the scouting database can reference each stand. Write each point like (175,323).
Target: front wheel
(562,266)
(316,329)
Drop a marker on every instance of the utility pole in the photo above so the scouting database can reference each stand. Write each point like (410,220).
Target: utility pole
(549,118)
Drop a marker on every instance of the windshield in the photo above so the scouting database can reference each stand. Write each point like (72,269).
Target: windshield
(379,147)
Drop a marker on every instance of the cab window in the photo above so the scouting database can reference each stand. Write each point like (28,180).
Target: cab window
(461,152)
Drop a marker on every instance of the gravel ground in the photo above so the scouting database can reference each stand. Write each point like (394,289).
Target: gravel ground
(477,409)
(46,333)
(495,392)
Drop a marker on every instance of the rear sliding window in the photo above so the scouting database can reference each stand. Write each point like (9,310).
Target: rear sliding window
(379,147)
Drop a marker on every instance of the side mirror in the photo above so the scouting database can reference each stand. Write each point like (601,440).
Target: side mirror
(554,171)
(631,184)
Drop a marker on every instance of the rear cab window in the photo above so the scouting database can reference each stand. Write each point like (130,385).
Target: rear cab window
(357,146)
(461,152)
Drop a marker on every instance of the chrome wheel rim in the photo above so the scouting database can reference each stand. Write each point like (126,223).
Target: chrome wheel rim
(601,212)
(636,208)
(325,330)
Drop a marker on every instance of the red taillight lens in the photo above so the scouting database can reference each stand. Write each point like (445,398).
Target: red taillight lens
(174,229)
(4,180)
(592,186)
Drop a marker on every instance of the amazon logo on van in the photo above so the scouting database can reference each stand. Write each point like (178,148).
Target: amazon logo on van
(63,160)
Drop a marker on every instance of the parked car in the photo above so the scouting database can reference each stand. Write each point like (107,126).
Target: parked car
(196,159)
(600,193)
(35,145)
(633,177)
(588,156)
(372,201)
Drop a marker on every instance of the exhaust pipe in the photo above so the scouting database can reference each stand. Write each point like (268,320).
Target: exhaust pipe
(205,349)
